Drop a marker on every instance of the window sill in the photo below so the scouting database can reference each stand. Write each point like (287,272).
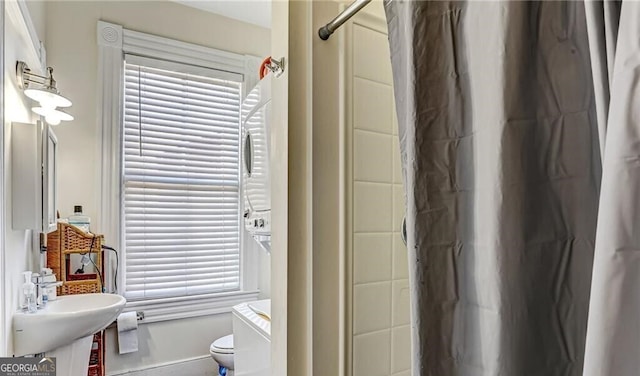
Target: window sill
(165,309)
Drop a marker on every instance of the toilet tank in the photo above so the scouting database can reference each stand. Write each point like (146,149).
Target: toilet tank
(252,338)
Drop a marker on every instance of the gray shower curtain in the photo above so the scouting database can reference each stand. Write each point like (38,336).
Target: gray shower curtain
(508,112)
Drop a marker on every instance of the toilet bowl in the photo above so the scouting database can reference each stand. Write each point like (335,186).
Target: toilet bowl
(222,352)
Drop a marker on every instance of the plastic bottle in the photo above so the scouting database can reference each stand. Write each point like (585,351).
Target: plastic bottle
(49,293)
(80,220)
(29,293)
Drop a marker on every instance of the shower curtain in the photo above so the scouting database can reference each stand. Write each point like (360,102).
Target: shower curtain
(519,127)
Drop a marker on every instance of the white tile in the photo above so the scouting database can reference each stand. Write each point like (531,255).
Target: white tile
(401,349)
(398,207)
(395,160)
(372,354)
(372,156)
(371,56)
(403,373)
(372,106)
(400,302)
(372,257)
(372,207)
(371,307)
(400,261)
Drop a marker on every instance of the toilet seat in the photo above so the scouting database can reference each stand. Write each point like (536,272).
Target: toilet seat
(221,351)
(223,345)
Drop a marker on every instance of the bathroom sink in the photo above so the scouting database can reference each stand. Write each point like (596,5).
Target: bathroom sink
(63,321)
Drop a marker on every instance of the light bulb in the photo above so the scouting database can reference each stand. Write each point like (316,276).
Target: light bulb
(51,115)
(52,119)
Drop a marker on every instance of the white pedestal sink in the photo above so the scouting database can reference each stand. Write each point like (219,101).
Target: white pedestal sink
(64,329)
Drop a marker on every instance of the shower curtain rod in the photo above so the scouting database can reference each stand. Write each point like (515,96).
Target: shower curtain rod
(328,29)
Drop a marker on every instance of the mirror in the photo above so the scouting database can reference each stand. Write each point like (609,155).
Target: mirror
(34,176)
(50,179)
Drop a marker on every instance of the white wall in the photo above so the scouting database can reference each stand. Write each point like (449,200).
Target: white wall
(37,12)
(18,253)
(167,342)
(72,51)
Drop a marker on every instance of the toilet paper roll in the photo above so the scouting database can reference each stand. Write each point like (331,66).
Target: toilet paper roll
(127,332)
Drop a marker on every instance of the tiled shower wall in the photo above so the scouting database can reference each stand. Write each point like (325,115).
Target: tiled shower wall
(380,314)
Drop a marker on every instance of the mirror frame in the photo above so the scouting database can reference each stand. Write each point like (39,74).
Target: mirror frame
(49,176)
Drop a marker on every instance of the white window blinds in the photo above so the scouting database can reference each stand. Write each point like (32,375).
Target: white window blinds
(181,190)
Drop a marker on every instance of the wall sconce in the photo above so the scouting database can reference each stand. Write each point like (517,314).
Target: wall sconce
(43,90)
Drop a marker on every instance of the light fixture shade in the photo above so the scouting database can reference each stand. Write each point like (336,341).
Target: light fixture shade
(51,115)
(47,99)
(51,120)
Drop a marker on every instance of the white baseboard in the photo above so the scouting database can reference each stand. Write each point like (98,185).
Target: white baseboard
(201,366)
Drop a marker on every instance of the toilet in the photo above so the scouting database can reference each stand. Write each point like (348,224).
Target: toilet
(222,352)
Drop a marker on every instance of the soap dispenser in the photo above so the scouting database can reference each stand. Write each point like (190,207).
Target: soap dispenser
(29,293)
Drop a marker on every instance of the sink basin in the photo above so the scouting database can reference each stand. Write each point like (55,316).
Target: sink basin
(63,321)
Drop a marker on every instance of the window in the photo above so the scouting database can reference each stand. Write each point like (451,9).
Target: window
(181,183)
(169,114)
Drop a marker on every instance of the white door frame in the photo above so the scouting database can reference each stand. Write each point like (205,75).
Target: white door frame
(3,334)
(17,13)
(333,188)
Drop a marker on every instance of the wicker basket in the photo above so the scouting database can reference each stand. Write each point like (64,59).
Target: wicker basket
(80,287)
(74,239)
(68,240)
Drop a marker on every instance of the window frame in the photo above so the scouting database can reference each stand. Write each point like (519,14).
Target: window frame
(114,42)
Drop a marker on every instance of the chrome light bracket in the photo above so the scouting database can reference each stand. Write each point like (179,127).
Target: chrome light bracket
(25,78)
(276,66)
(22,70)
